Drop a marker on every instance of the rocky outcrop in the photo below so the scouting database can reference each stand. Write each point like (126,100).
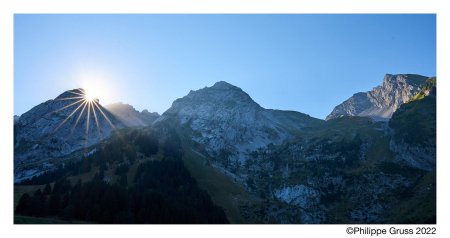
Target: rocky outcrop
(382,101)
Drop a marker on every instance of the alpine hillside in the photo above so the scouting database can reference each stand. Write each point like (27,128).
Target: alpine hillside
(372,161)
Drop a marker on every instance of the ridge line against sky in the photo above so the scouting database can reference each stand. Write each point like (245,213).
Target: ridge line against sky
(303,62)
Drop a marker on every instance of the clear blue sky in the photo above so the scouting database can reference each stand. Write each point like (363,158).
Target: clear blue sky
(307,63)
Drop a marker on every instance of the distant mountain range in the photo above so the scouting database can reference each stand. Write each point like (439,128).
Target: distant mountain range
(131,117)
(373,159)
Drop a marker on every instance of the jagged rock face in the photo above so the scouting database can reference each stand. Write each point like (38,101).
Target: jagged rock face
(382,101)
(57,128)
(130,117)
(228,122)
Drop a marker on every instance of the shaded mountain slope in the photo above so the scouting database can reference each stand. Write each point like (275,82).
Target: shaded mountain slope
(414,129)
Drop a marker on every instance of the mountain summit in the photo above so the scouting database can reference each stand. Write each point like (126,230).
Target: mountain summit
(382,101)
(57,128)
(227,121)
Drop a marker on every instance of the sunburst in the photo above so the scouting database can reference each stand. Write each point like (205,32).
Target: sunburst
(90,96)
(86,105)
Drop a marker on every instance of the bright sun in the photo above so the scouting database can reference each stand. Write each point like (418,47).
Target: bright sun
(93,91)
(96,87)
(90,95)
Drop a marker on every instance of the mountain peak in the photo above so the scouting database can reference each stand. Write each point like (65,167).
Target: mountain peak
(78,92)
(220,95)
(410,79)
(223,85)
(223,117)
(58,127)
(382,101)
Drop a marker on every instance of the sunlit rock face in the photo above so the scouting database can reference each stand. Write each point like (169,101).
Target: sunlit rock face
(382,101)
(56,128)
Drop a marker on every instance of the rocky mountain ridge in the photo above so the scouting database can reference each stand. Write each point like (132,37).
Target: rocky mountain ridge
(382,101)
(298,169)
(311,166)
(131,117)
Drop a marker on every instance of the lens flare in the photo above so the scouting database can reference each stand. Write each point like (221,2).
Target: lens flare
(92,93)
(85,106)
(89,96)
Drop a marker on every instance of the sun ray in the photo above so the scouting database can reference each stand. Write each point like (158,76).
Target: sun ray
(81,94)
(83,105)
(57,110)
(78,118)
(68,98)
(71,114)
(117,132)
(96,120)
(88,120)
(106,117)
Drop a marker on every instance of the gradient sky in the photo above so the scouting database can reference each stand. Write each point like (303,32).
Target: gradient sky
(306,63)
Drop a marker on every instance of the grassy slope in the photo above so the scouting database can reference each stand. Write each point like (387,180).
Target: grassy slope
(230,195)
(223,191)
(429,85)
(415,123)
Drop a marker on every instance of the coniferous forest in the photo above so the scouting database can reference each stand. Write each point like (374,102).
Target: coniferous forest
(159,190)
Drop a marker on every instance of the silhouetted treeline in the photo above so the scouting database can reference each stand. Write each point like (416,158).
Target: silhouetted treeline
(161,191)
(121,148)
(164,192)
